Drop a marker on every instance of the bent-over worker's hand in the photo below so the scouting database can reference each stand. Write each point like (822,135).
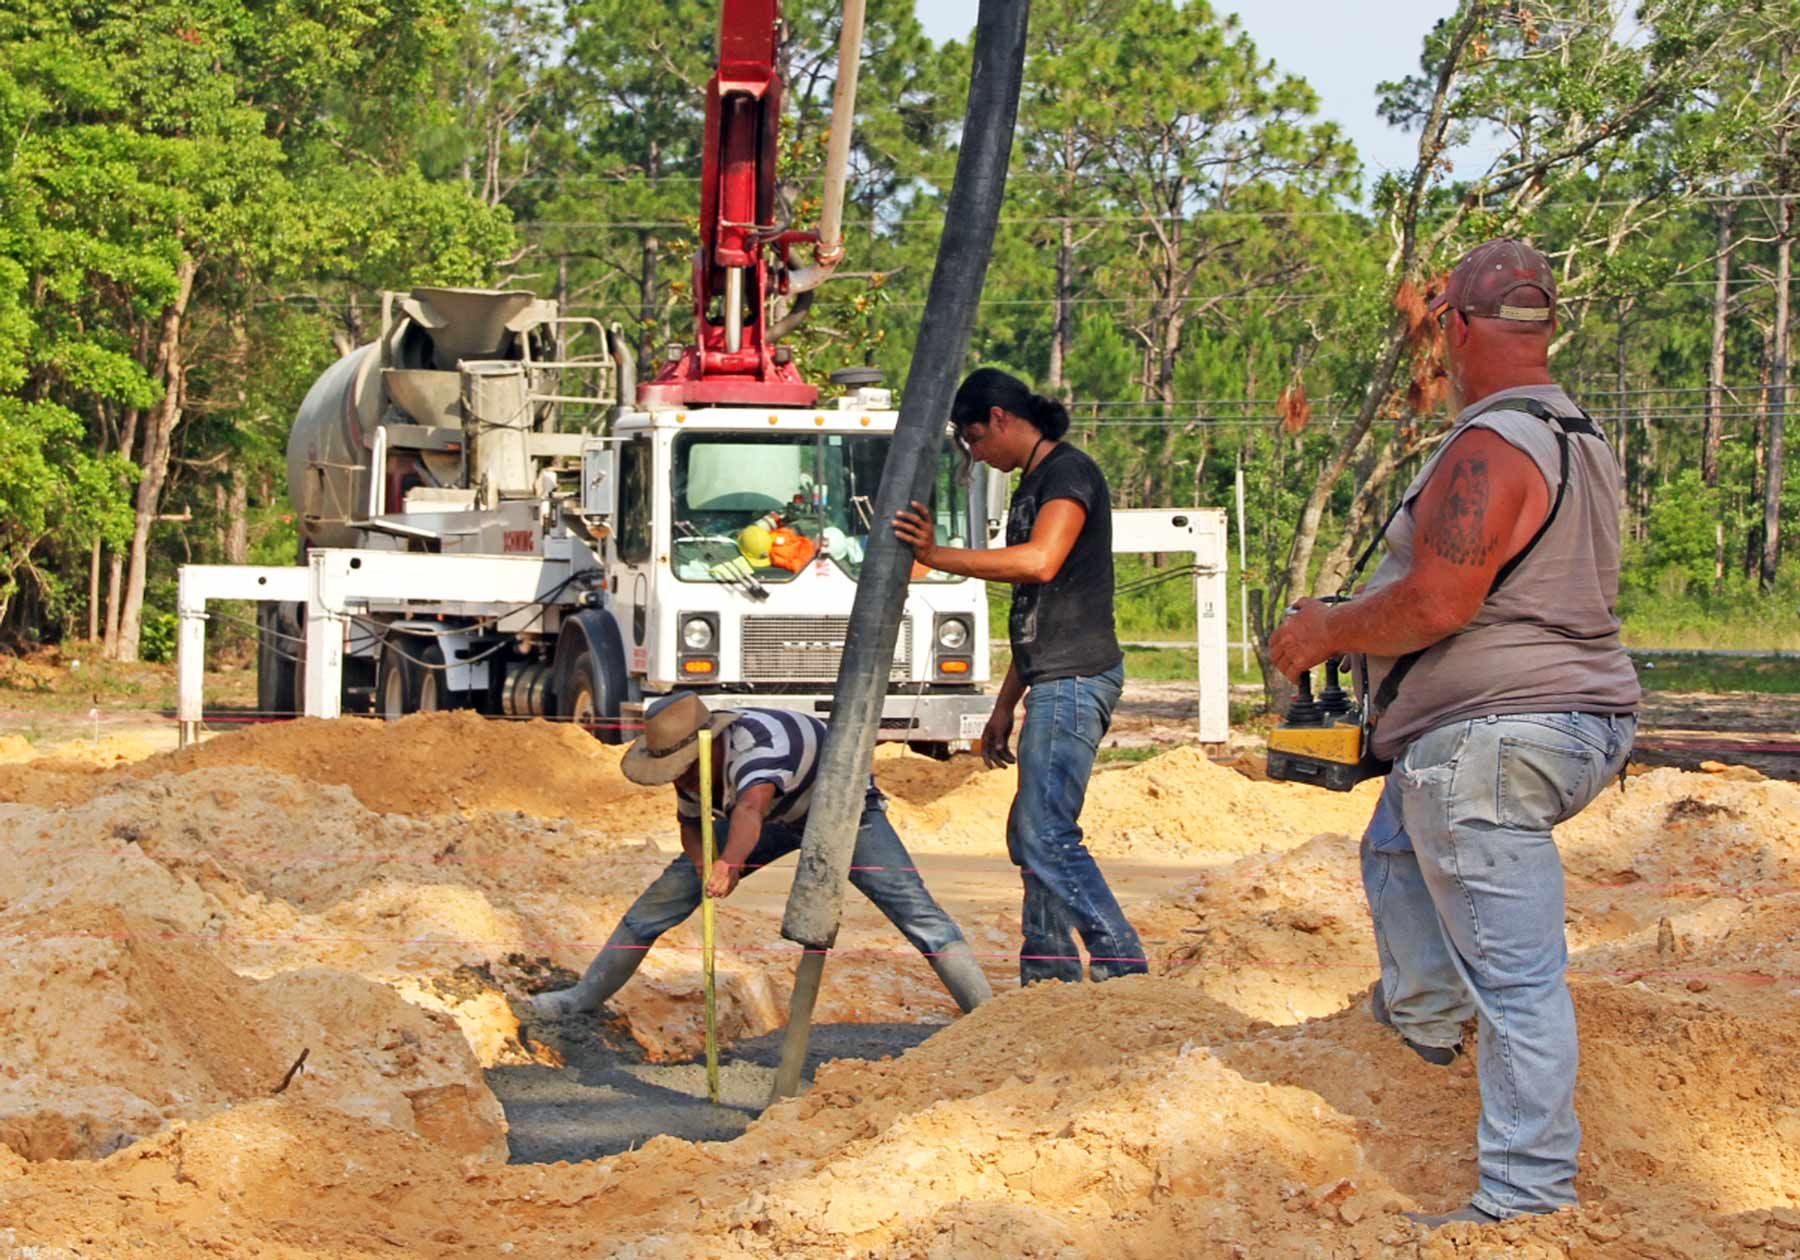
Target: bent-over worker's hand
(996,740)
(724,880)
(1301,641)
(913,526)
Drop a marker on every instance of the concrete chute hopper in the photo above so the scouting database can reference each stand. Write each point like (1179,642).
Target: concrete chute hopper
(472,323)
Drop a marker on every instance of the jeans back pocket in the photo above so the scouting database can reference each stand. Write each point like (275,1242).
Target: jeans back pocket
(1544,783)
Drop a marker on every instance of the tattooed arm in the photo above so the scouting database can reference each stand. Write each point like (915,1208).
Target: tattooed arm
(1479,509)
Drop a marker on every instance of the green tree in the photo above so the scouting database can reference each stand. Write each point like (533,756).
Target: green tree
(1570,96)
(182,161)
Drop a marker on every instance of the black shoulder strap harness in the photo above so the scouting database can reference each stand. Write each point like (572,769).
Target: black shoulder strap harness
(1563,426)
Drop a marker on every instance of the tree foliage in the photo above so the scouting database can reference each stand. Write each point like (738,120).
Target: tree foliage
(201,202)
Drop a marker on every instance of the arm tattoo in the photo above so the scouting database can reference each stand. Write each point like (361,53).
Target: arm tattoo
(1456,531)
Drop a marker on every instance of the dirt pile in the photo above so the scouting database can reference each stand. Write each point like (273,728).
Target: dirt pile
(113,1025)
(183,928)
(1171,1127)
(272,874)
(426,765)
(1171,806)
(1281,937)
(77,757)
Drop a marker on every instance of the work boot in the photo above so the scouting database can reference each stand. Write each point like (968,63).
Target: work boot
(617,962)
(956,966)
(1437,1056)
(1468,1212)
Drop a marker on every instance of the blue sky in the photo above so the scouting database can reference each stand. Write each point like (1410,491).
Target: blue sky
(1342,47)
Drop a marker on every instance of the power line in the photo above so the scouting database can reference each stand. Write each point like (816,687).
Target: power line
(1344,418)
(1016,177)
(1291,212)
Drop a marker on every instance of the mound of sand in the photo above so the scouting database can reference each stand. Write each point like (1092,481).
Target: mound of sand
(1172,806)
(1170,1128)
(275,874)
(1282,937)
(1241,1104)
(114,1025)
(423,765)
(459,763)
(81,756)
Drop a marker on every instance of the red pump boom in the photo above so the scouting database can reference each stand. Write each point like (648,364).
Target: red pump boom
(731,360)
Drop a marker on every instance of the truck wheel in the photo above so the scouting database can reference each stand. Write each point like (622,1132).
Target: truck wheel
(397,681)
(589,705)
(435,695)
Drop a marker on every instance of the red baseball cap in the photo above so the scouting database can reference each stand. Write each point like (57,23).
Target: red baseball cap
(1503,279)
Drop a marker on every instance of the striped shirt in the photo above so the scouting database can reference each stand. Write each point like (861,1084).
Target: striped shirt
(775,746)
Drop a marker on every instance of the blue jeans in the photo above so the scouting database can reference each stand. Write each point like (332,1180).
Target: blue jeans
(1065,892)
(1465,887)
(882,871)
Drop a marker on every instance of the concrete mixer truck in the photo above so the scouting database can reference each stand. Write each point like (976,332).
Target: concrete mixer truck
(495,514)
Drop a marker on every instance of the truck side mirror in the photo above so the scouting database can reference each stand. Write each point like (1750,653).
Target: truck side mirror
(599,481)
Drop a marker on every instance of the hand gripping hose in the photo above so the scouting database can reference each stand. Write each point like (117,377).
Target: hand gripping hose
(816,900)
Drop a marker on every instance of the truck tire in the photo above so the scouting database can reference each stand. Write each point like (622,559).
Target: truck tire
(589,674)
(586,705)
(278,649)
(434,695)
(397,679)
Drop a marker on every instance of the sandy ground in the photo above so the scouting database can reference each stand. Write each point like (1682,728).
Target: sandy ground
(181,928)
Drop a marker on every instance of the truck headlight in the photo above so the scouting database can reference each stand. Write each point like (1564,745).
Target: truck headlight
(696,634)
(953,634)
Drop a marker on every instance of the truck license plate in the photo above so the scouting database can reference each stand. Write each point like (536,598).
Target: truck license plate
(972,725)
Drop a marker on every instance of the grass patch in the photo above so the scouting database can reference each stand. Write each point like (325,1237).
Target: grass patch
(1669,610)
(1181,665)
(75,677)
(1778,675)
(1156,665)
(1130,756)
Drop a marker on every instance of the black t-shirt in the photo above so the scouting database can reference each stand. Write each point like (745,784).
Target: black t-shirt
(1063,628)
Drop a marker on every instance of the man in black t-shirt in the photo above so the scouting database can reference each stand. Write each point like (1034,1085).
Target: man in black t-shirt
(1063,628)
(1066,665)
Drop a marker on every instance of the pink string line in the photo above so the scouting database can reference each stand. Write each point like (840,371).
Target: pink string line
(285,860)
(257,719)
(1246,963)
(1652,744)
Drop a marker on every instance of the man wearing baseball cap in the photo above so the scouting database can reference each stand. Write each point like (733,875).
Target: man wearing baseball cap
(765,762)
(1505,701)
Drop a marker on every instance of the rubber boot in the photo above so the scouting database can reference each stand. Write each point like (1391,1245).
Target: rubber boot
(956,966)
(616,963)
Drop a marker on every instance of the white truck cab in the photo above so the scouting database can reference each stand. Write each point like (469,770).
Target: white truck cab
(695,609)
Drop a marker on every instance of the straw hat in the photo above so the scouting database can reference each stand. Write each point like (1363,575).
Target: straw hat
(671,739)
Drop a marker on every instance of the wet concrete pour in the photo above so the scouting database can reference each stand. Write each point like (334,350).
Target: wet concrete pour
(608,1099)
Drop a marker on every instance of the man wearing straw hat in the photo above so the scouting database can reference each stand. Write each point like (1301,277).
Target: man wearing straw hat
(765,761)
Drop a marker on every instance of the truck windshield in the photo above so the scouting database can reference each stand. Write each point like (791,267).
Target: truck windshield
(819,486)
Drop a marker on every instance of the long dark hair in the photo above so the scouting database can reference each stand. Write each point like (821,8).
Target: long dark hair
(990,387)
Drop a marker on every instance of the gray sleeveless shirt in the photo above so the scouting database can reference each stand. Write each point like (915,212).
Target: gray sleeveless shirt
(1548,640)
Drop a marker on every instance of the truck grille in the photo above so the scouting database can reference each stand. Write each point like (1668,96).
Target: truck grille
(808,649)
